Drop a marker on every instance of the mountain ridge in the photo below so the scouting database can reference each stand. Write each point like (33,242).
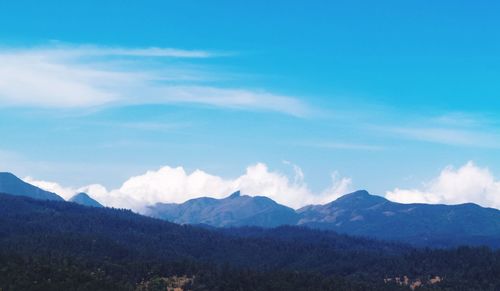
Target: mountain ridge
(416,223)
(358,213)
(9,183)
(234,210)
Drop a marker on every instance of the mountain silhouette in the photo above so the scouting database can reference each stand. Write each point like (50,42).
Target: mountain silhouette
(234,210)
(11,184)
(84,199)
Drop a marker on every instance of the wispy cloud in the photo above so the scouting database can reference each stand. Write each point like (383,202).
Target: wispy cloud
(92,76)
(448,136)
(344,146)
(451,128)
(61,50)
(145,52)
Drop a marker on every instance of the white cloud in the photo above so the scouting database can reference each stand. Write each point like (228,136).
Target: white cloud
(90,50)
(339,187)
(468,183)
(64,192)
(343,146)
(58,50)
(449,136)
(258,180)
(169,184)
(299,174)
(90,76)
(452,128)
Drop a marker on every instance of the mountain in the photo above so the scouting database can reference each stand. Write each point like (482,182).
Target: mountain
(234,210)
(360,213)
(84,199)
(11,184)
(53,245)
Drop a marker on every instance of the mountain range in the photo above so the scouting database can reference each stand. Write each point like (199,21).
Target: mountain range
(47,243)
(358,213)
(11,184)
(58,245)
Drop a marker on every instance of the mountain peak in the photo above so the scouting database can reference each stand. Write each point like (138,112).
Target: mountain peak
(79,195)
(85,199)
(359,193)
(11,184)
(8,176)
(360,198)
(235,194)
(232,211)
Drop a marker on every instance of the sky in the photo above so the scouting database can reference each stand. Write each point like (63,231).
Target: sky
(138,102)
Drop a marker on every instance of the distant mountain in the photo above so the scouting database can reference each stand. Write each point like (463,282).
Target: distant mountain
(84,199)
(360,213)
(235,210)
(11,184)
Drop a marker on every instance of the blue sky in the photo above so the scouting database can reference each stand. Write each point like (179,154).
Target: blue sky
(385,93)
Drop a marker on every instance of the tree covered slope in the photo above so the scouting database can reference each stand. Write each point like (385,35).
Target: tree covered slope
(65,245)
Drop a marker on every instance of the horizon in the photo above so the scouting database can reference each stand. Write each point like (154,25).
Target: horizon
(71,193)
(292,102)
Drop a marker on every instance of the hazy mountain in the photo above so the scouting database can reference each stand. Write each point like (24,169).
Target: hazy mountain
(360,213)
(84,199)
(235,210)
(11,184)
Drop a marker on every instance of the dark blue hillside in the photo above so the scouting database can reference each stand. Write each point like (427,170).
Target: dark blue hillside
(360,213)
(67,228)
(11,184)
(39,238)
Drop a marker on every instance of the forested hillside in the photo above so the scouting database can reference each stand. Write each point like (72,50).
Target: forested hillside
(51,245)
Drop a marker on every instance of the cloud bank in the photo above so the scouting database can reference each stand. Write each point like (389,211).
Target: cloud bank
(91,76)
(468,183)
(174,184)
